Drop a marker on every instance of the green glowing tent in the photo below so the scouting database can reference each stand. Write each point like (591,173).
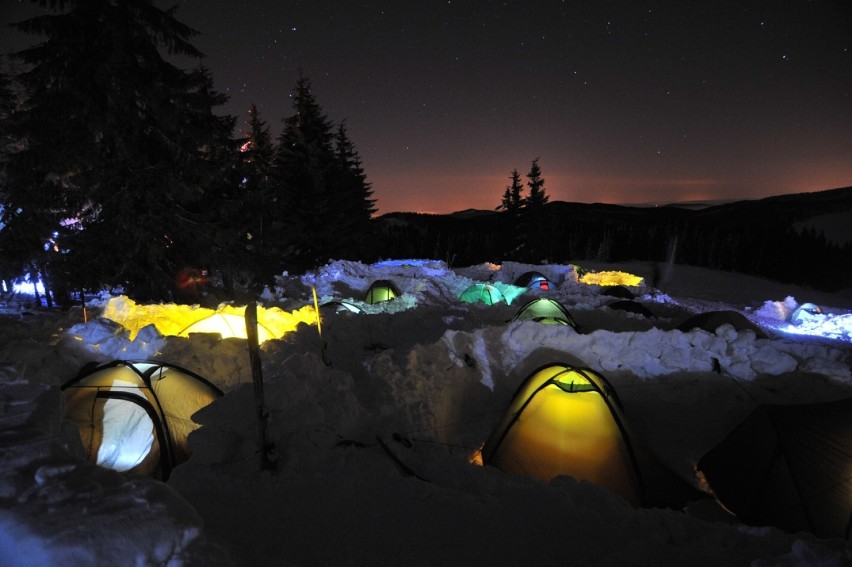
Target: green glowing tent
(545,310)
(482,293)
(381,290)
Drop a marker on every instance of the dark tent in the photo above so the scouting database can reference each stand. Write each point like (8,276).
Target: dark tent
(344,307)
(545,310)
(788,466)
(482,293)
(565,420)
(534,280)
(381,290)
(632,307)
(712,320)
(137,416)
(618,291)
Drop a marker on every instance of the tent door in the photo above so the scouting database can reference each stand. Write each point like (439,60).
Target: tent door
(128,420)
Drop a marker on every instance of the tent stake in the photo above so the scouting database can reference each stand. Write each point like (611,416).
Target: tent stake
(267,448)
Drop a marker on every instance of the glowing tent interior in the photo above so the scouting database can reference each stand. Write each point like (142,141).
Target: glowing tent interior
(567,420)
(535,281)
(381,290)
(136,416)
(178,320)
(482,293)
(545,310)
(226,325)
(609,278)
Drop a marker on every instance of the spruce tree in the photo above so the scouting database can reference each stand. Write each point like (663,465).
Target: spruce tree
(534,222)
(11,261)
(303,167)
(322,201)
(119,139)
(512,204)
(537,197)
(513,199)
(217,174)
(256,152)
(353,203)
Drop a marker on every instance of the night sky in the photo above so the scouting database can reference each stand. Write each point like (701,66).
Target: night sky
(622,102)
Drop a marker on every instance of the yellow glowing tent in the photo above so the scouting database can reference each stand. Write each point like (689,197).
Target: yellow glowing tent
(565,420)
(610,278)
(177,320)
(137,416)
(226,325)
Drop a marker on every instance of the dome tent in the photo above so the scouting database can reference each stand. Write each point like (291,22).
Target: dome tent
(804,312)
(226,325)
(630,306)
(136,416)
(787,466)
(381,290)
(340,306)
(545,310)
(712,320)
(618,291)
(566,420)
(482,293)
(534,280)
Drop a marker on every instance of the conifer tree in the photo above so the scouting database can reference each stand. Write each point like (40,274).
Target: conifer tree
(354,205)
(120,140)
(534,221)
(256,157)
(11,264)
(513,199)
(537,196)
(303,167)
(322,199)
(513,204)
(217,174)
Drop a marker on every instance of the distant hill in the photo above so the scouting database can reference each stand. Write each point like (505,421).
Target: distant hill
(803,238)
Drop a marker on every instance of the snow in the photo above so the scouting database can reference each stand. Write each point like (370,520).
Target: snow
(428,376)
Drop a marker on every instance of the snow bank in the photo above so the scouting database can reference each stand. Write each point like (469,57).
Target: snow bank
(416,382)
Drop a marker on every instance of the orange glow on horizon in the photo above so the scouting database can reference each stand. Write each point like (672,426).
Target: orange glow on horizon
(431,193)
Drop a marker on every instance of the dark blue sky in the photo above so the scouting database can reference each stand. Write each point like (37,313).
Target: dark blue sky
(627,102)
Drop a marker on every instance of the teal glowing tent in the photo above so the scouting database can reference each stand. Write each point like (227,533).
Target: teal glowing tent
(482,293)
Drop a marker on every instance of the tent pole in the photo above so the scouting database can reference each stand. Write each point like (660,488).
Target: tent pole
(268,461)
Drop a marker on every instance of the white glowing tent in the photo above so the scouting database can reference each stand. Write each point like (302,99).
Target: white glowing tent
(137,416)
